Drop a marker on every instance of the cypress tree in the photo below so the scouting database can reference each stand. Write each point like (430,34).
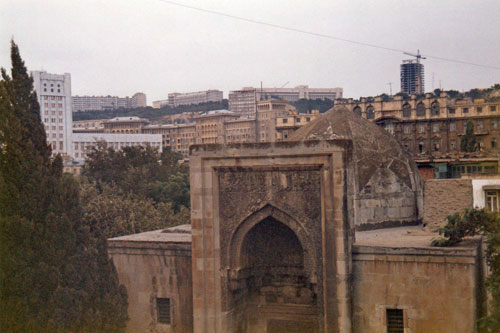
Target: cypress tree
(55,275)
(468,143)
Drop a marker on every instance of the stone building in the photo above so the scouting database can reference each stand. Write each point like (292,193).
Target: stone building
(278,242)
(430,129)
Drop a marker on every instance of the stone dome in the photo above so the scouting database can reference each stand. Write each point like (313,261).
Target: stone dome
(387,185)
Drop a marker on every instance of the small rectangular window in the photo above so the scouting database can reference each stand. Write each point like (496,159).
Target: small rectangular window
(479,109)
(493,108)
(395,321)
(163,305)
(465,110)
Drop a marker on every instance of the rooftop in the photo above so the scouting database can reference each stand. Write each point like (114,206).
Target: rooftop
(178,234)
(405,237)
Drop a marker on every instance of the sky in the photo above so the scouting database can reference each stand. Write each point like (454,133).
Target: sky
(120,47)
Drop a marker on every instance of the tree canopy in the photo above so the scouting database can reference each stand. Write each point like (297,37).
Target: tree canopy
(141,172)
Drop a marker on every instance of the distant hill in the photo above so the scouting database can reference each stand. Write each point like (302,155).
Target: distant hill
(149,112)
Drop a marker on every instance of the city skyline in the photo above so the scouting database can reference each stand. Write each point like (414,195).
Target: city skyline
(118,48)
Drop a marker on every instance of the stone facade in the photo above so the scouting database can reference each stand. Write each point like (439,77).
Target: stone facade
(443,197)
(387,187)
(276,244)
(156,265)
(241,281)
(437,289)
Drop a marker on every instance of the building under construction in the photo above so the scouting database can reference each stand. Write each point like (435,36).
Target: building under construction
(412,77)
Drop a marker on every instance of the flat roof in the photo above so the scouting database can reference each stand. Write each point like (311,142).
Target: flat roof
(406,237)
(178,234)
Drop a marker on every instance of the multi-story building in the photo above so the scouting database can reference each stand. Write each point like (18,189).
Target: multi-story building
(244,101)
(89,126)
(287,124)
(127,125)
(197,97)
(213,127)
(54,96)
(99,103)
(84,142)
(138,100)
(267,114)
(160,103)
(431,128)
(412,77)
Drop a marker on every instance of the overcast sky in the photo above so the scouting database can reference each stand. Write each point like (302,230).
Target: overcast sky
(120,47)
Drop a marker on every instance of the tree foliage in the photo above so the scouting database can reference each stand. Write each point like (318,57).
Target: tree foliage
(468,142)
(55,275)
(472,222)
(307,105)
(141,172)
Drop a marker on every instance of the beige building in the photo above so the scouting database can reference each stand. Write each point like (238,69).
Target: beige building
(244,101)
(126,125)
(219,126)
(268,112)
(287,124)
(318,233)
(430,128)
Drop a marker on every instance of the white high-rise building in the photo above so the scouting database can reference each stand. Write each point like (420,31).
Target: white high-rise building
(54,97)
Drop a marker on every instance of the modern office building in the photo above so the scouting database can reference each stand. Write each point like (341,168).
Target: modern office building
(54,96)
(244,101)
(412,77)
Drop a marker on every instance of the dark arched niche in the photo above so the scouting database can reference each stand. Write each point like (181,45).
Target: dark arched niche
(270,252)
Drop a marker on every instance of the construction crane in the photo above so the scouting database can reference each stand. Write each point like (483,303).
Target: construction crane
(418,56)
(283,86)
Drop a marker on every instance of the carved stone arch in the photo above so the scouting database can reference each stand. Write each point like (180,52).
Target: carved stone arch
(270,211)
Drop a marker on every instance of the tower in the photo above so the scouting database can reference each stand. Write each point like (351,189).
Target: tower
(412,75)
(54,96)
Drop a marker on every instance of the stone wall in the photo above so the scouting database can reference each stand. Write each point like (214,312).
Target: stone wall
(443,197)
(151,267)
(436,288)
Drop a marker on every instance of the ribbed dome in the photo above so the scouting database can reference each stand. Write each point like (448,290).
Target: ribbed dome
(374,149)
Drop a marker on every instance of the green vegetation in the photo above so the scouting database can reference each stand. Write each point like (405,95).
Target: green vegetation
(55,275)
(149,112)
(135,189)
(468,142)
(307,105)
(472,222)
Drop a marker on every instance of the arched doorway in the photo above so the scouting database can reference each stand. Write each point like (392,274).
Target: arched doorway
(274,287)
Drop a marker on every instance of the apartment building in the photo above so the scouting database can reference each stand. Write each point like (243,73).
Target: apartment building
(244,101)
(287,124)
(213,127)
(99,103)
(197,97)
(431,128)
(54,96)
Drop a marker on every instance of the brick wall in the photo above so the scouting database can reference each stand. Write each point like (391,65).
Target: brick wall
(443,197)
